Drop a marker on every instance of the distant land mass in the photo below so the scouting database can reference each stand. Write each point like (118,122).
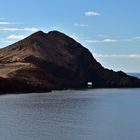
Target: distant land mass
(53,61)
(136,74)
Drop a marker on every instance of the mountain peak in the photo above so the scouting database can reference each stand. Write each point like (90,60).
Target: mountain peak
(55,32)
(51,33)
(37,34)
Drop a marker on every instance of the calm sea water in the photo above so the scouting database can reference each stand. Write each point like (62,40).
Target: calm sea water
(97,114)
(135,74)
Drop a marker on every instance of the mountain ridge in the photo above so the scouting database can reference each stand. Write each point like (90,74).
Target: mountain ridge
(50,61)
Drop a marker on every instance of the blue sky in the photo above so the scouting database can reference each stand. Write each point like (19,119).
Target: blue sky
(110,29)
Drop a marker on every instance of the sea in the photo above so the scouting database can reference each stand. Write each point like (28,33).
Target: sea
(92,114)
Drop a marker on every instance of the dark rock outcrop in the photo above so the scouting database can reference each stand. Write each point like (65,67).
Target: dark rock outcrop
(51,61)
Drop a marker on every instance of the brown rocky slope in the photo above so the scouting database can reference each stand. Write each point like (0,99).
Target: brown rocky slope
(51,61)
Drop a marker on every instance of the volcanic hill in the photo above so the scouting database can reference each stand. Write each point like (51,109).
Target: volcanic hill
(52,61)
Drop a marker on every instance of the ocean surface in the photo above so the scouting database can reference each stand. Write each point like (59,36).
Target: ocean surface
(135,74)
(94,114)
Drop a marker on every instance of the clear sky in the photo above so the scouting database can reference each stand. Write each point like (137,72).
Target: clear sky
(110,29)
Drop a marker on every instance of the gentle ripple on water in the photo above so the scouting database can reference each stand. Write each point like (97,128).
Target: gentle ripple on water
(97,114)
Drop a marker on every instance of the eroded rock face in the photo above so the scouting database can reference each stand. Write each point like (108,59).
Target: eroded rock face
(48,61)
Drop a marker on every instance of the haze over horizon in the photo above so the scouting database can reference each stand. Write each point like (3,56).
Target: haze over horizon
(109,29)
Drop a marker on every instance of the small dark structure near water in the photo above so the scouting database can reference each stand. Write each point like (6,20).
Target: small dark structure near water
(89,84)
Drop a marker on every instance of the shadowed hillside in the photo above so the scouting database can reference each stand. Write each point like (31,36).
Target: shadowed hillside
(48,61)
